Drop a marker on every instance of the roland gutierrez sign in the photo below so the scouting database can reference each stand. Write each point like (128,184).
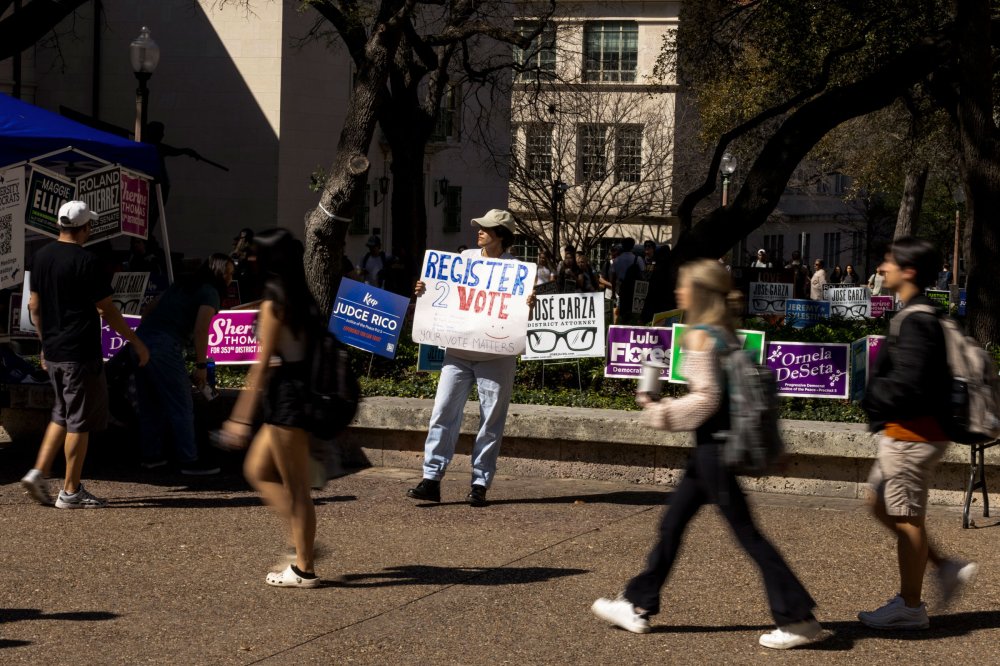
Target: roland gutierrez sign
(232,337)
(810,370)
(473,302)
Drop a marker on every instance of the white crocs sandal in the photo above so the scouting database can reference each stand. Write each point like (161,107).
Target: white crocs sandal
(289,578)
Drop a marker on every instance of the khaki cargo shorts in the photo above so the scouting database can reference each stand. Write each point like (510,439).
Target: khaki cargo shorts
(902,474)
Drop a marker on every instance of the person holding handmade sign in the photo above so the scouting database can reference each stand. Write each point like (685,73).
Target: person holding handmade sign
(69,295)
(164,386)
(705,292)
(907,400)
(493,374)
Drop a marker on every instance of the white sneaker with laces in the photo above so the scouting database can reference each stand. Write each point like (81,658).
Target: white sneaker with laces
(81,499)
(621,613)
(896,615)
(37,486)
(791,635)
(952,577)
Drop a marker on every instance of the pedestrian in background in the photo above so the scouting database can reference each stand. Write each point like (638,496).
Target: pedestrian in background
(184,311)
(850,276)
(373,262)
(277,464)
(817,281)
(876,282)
(836,276)
(69,296)
(544,273)
(907,400)
(705,292)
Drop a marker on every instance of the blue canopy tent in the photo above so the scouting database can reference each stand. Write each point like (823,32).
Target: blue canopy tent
(31,134)
(27,132)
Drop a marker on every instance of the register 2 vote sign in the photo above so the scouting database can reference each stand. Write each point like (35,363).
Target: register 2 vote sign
(473,302)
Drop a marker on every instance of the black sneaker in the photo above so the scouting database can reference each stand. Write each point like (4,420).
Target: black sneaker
(199,467)
(428,490)
(476,496)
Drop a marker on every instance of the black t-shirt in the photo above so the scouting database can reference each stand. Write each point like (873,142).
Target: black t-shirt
(69,283)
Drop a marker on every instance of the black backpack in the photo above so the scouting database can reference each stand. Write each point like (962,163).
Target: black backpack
(333,385)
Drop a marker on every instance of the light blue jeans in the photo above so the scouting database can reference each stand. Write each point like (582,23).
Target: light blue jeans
(494,379)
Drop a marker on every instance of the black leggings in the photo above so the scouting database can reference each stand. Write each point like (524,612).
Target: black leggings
(707,481)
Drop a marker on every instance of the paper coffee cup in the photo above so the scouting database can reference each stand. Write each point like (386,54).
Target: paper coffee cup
(649,379)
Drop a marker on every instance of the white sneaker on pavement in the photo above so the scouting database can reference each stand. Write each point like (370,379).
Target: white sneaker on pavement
(621,613)
(81,499)
(791,635)
(896,615)
(953,576)
(37,486)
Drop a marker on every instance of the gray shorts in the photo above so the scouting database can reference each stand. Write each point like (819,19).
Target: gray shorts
(81,401)
(902,474)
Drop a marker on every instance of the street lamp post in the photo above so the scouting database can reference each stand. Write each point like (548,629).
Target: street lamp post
(145,56)
(558,192)
(959,196)
(727,166)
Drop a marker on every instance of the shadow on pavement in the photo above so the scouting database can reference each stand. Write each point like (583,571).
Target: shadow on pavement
(9,643)
(622,498)
(188,502)
(432,575)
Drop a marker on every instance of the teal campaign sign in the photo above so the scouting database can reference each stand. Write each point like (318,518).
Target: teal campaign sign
(430,358)
(753,344)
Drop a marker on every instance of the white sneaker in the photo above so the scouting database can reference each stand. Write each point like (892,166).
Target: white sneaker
(81,499)
(290,578)
(896,615)
(791,635)
(952,577)
(37,486)
(621,613)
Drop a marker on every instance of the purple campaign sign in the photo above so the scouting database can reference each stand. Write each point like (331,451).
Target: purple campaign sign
(111,342)
(629,346)
(810,370)
(874,344)
(880,304)
(232,337)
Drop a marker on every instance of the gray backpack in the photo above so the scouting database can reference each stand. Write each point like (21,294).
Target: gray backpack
(753,443)
(974,409)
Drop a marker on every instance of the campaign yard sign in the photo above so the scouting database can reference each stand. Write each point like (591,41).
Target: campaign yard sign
(629,346)
(639,295)
(111,341)
(668,318)
(129,291)
(473,302)
(101,190)
(26,323)
(961,302)
(566,326)
(880,304)
(863,354)
(940,297)
(14,325)
(429,358)
(768,298)
(135,204)
(368,318)
(46,193)
(810,370)
(752,341)
(12,206)
(232,337)
(850,302)
(803,313)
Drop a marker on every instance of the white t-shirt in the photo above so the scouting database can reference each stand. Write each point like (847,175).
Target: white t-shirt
(372,264)
(543,275)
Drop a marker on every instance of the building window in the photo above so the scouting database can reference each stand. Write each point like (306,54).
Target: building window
(857,249)
(775,246)
(592,149)
(539,59)
(453,209)
(538,151)
(831,250)
(359,225)
(525,249)
(628,153)
(807,260)
(448,118)
(610,50)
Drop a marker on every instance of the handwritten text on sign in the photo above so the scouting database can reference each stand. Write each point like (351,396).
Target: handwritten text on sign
(473,302)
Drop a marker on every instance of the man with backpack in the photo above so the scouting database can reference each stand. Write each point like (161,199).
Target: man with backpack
(907,401)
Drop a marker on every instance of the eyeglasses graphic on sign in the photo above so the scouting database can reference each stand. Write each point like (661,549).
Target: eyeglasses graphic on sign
(765,305)
(127,306)
(543,340)
(857,310)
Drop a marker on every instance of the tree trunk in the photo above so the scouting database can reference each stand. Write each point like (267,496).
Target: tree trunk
(980,167)
(912,202)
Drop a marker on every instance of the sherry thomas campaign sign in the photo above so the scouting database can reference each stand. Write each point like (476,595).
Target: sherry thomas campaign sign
(473,302)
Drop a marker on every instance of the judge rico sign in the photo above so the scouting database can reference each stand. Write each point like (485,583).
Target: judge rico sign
(473,302)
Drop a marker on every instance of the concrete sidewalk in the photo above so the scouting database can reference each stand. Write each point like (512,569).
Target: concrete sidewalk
(174,574)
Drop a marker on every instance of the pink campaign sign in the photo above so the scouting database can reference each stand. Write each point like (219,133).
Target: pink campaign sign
(232,337)
(135,205)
